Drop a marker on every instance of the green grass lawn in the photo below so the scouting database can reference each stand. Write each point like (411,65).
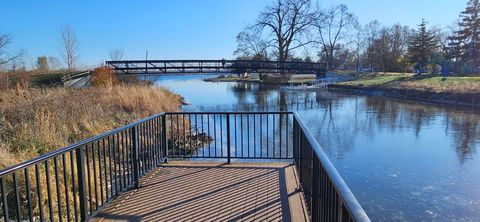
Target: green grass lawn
(377,79)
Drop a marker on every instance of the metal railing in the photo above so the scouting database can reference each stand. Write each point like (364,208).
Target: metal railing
(71,76)
(214,66)
(76,182)
(328,198)
(235,135)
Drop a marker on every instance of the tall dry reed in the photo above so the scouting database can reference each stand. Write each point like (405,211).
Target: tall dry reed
(34,121)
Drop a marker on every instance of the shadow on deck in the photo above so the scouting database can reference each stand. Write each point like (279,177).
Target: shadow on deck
(200,191)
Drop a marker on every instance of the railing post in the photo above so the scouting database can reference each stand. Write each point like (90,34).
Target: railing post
(164,138)
(82,185)
(228,139)
(294,139)
(135,151)
(315,187)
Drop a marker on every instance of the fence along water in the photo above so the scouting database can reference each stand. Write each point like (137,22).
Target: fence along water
(76,182)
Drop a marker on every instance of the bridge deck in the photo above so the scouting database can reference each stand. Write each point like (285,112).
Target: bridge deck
(199,191)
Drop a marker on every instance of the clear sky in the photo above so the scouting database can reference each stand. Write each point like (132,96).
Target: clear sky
(175,29)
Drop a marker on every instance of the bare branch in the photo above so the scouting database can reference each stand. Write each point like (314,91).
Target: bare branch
(287,21)
(69,48)
(332,26)
(116,54)
(6,57)
(250,43)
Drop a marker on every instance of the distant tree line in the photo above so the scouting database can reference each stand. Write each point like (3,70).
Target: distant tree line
(18,61)
(288,28)
(68,62)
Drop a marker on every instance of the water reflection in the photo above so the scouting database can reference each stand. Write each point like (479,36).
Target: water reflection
(462,126)
(403,160)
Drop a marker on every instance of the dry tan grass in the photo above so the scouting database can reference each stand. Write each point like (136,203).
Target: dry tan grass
(440,85)
(34,121)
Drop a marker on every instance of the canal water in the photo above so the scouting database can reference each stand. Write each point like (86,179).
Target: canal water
(403,160)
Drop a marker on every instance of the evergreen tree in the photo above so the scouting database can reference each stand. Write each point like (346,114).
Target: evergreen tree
(467,38)
(454,52)
(423,45)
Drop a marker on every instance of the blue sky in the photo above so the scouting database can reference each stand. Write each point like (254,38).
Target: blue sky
(175,29)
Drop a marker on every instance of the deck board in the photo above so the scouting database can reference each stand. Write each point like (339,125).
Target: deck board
(200,191)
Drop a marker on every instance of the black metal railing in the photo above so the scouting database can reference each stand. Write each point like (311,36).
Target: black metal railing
(236,135)
(327,196)
(214,66)
(75,182)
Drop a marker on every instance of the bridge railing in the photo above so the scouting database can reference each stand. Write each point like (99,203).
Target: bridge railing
(236,66)
(71,76)
(75,182)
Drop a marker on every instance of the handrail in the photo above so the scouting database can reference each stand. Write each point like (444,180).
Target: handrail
(349,199)
(70,76)
(137,148)
(73,146)
(230,135)
(216,66)
(209,61)
(93,172)
(235,112)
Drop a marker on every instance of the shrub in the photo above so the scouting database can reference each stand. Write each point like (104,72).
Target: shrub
(103,76)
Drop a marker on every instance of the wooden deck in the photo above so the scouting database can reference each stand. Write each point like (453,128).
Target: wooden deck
(198,191)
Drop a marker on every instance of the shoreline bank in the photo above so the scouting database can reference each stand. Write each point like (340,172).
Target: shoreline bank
(471,100)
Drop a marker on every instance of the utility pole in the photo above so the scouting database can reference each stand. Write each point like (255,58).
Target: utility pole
(146,64)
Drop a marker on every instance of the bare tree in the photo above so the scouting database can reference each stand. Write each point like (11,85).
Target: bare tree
(54,63)
(69,48)
(116,54)
(383,48)
(251,44)
(288,21)
(389,48)
(359,46)
(400,38)
(371,30)
(5,57)
(333,26)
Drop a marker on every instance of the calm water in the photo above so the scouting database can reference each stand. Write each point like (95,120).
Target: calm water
(403,161)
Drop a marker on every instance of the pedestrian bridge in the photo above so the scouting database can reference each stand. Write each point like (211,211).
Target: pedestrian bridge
(184,166)
(215,66)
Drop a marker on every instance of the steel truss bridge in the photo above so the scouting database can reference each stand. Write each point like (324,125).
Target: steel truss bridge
(214,66)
